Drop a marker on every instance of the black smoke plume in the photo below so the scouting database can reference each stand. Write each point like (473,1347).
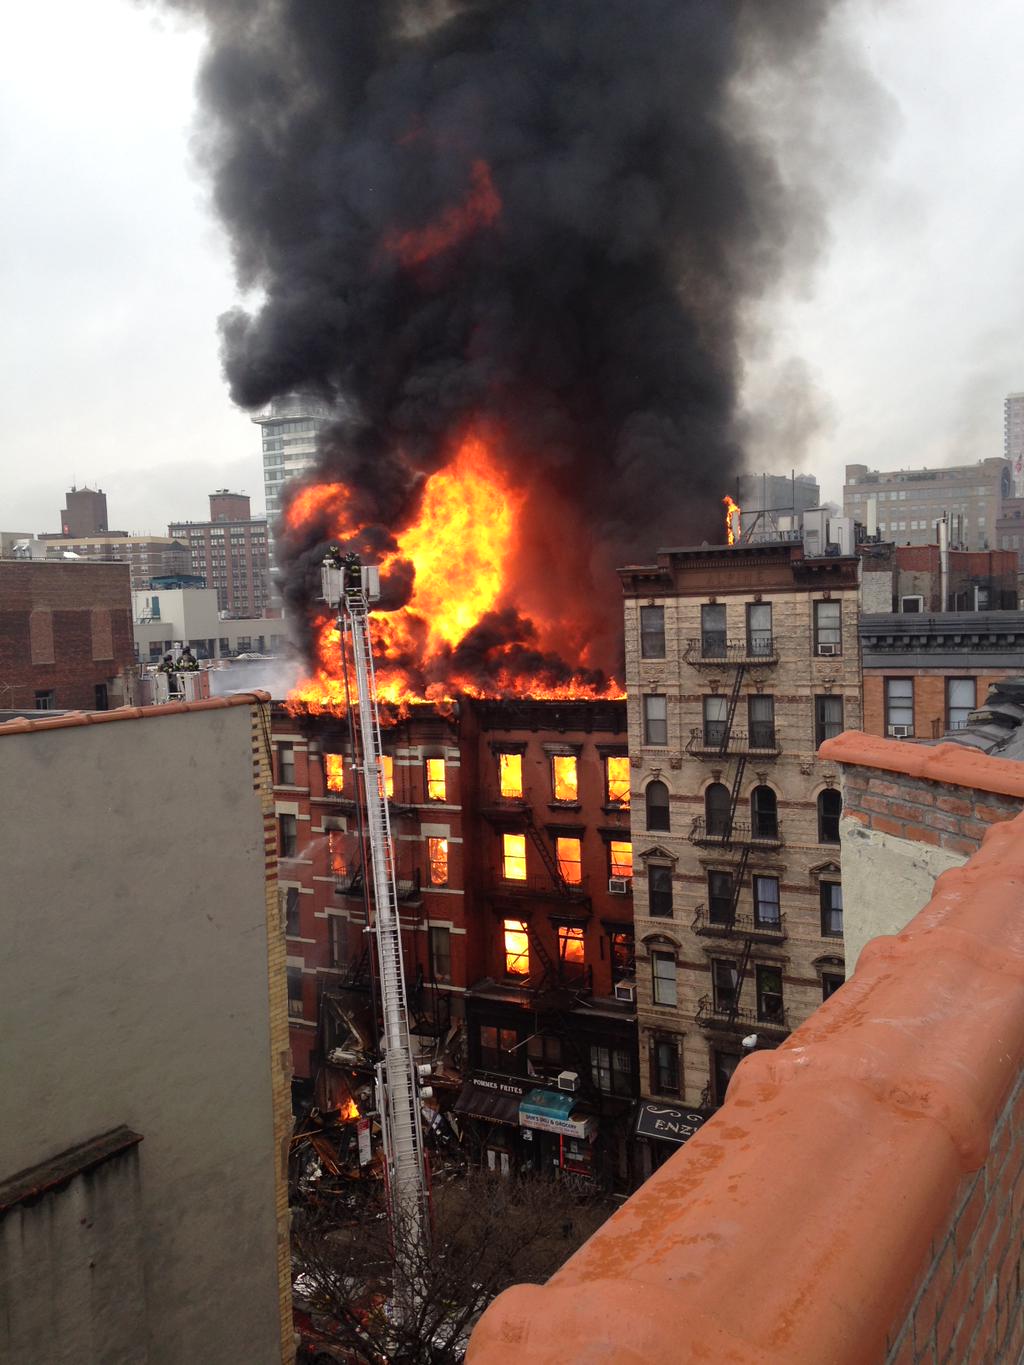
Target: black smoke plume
(595,321)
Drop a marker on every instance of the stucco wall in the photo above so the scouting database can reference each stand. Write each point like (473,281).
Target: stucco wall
(886,881)
(134,990)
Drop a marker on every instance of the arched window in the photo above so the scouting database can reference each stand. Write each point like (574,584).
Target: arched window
(764,813)
(830,808)
(716,809)
(657,806)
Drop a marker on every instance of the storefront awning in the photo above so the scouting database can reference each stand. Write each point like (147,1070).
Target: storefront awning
(494,1106)
(550,1110)
(666,1121)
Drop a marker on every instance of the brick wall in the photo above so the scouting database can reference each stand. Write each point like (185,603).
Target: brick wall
(929,695)
(950,817)
(969,1304)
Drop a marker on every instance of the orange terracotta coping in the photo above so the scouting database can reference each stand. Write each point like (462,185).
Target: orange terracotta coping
(23,725)
(794,1226)
(954,764)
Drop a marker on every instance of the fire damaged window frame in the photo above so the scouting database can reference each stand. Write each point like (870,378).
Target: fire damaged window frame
(510,751)
(291,911)
(296,999)
(613,803)
(508,858)
(563,756)
(652,632)
(431,782)
(569,837)
(511,925)
(329,777)
(621,952)
(617,839)
(437,860)
(569,934)
(439,953)
(493,1055)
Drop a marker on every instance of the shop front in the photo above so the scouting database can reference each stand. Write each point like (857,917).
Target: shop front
(563,1136)
(661,1129)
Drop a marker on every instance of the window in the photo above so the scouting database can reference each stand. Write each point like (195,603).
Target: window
(545,1052)
(287,832)
(617,779)
(436,786)
(569,854)
(656,797)
(437,861)
(720,893)
(291,914)
(387,765)
(828,718)
(764,813)
(46,701)
(712,631)
(725,983)
(830,983)
(564,783)
(623,954)
(828,628)
(723,1064)
(286,765)
(769,995)
(761,720)
(295,1010)
(513,857)
(766,902)
(831,910)
(517,948)
(440,955)
(612,1069)
(336,937)
(497,1048)
(101,699)
(716,809)
(759,629)
(961,699)
(620,858)
(571,951)
(716,710)
(899,706)
(830,808)
(665,1067)
(336,853)
(334,772)
(655,719)
(659,891)
(510,776)
(663,972)
(652,632)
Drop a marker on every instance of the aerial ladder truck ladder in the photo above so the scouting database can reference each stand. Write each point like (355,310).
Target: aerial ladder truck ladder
(349,586)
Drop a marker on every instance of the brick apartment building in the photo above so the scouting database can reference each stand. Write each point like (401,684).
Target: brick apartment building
(147,557)
(65,635)
(230,552)
(739,662)
(932,642)
(511,831)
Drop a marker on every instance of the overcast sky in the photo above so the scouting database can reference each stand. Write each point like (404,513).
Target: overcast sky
(113,272)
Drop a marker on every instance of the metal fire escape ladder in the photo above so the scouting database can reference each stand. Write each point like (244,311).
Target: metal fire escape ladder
(741,763)
(546,856)
(737,882)
(741,972)
(401,1121)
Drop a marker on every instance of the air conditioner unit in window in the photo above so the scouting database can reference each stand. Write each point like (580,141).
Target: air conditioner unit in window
(569,1080)
(901,731)
(619,886)
(828,650)
(626,992)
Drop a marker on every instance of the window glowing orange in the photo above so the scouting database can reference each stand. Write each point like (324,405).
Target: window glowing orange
(569,853)
(563,777)
(513,857)
(334,767)
(437,854)
(517,948)
(387,765)
(618,780)
(510,775)
(621,858)
(570,944)
(336,852)
(435,779)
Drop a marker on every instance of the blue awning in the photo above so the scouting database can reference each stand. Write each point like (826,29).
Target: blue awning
(547,1104)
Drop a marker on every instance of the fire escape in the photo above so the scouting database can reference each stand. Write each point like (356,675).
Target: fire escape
(720,829)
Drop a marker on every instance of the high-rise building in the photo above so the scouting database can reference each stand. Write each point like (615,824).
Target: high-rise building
(85,513)
(230,552)
(1013,439)
(290,427)
(908,502)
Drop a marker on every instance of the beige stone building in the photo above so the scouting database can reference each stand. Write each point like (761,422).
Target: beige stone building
(739,663)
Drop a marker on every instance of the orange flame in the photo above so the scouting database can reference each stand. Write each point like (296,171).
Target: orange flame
(480,209)
(732,520)
(348,1111)
(463,546)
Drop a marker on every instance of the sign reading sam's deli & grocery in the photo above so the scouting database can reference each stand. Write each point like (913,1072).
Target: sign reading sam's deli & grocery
(666,1122)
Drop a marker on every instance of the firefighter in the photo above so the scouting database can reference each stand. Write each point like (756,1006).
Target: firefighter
(187,662)
(166,665)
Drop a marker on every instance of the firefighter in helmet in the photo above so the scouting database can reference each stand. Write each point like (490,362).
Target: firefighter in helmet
(187,662)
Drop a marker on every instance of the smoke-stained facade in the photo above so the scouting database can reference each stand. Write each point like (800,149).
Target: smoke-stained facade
(529,224)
